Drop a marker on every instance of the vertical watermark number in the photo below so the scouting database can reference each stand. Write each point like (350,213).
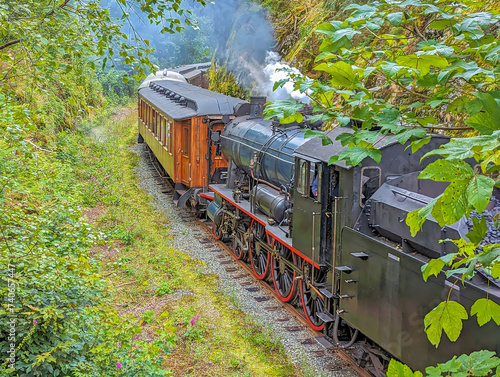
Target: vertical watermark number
(11,316)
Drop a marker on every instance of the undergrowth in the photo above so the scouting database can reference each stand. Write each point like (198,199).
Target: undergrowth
(91,279)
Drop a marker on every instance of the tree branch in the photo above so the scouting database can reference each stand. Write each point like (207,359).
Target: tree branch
(10,43)
(37,147)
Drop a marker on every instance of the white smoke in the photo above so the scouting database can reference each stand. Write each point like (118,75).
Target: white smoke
(276,70)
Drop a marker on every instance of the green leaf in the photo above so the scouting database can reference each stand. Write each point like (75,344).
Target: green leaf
(451,205)
(415,219)
(450,366)
(442,24)
(297,117)
(342,73)
(479,363)
(433,267)
(495,270)
(329,27)
(355,155)
(479,191)
(433,47)
(417,144)
(410,133)
(486,310)
(395,18)
(422,62)
(488,120)
(478,231)
(282,109)
(447,171)
(447,317)
(397,369)
(325,140)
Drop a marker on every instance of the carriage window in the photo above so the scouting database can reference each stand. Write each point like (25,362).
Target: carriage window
(155,123)
(186,140)
(164,132)
(171,137)
(303,181)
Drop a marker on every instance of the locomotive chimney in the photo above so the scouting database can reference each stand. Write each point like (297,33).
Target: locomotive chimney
(257,106)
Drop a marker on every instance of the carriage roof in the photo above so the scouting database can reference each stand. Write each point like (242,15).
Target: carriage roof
(192,101)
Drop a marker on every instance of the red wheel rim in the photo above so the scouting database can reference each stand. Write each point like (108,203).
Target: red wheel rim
(283,278)
(239,253)
(217,235)
(312,306)
(259,262)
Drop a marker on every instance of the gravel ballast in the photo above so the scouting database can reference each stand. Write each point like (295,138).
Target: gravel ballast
(190,238)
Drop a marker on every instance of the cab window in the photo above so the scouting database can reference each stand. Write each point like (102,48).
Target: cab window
(303,178)
(315,181)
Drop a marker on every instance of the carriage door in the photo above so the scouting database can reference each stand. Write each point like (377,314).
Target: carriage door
(216,148)
(184,153)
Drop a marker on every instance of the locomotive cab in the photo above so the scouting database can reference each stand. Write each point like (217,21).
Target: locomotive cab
(369,265)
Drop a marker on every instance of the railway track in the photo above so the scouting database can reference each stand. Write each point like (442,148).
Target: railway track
(348,359)
(222,251)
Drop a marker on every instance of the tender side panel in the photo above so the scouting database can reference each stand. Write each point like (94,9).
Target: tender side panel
(157,131)
(386,298)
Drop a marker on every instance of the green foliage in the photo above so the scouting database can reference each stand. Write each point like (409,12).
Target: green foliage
(486,310)
(481,363)
(402,69)
(64,324)
(223,81)
(447,317)
(285,111)
(397,369)
(165,288)
(148,316)
(36,29)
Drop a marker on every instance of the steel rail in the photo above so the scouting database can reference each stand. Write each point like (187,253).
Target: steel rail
(288,307)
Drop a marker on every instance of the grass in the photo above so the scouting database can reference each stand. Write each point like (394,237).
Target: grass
(204,332)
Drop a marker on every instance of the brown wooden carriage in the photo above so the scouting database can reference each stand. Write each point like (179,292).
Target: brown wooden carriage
(180,124)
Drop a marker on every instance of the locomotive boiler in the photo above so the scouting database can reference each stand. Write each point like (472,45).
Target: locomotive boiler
(343,251)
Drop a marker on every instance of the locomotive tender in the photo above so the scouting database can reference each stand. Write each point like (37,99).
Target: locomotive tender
(331,238)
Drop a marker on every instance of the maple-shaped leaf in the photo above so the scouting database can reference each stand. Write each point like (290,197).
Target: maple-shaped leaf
(486,310)
(480,363)
(397,369)
(451,205)
(325,140)
(447,317)
(434,267)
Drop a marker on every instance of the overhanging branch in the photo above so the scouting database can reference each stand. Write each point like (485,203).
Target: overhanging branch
(10,43)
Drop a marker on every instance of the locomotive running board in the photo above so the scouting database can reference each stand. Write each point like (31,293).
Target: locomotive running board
(272,231)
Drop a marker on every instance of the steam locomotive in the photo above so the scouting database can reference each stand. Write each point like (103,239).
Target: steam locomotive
(329,238)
